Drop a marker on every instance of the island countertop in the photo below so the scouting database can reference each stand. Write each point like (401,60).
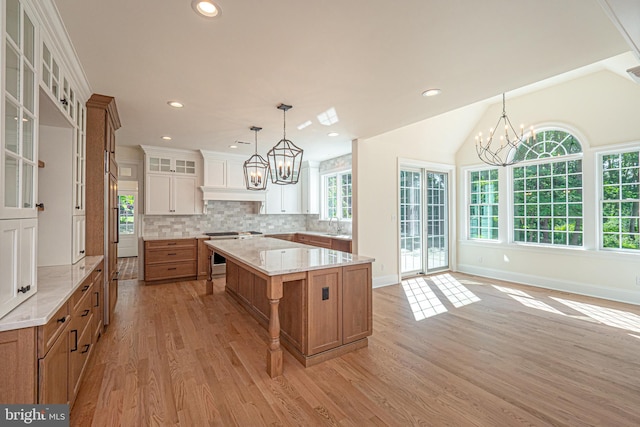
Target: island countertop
(274,256)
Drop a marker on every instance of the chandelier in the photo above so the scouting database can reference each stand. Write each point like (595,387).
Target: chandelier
(256,168)
(501,152)
(285,158)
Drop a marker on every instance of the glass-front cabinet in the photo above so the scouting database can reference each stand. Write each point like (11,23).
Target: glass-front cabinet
(19,121)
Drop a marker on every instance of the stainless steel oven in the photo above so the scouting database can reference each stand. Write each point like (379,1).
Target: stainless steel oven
(218,262)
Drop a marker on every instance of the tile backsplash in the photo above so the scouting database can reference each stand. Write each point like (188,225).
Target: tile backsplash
(222,216)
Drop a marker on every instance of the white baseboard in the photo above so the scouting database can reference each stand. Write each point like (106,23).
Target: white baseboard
(604,292)
(381,281)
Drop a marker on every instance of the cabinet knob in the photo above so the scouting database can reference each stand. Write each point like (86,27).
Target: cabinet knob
(40,205)
(62,319)
(77,207)
(64,102)
(24,289)
(81,252)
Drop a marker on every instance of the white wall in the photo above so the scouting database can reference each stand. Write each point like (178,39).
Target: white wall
(375,169)
(602,110)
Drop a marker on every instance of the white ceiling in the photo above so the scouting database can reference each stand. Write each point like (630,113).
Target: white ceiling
(368,59)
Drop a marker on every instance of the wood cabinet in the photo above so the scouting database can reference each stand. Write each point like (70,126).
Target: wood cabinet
(19,383)
(203,258)
(327,242)
(323,313)
(48,362)
(97,301)
(102,192)
(171,259)
(172,180)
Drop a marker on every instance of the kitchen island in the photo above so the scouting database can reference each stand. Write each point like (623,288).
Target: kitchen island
(316,302)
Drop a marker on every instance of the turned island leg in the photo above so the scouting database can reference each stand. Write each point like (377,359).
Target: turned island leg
(209,285)
(274,352)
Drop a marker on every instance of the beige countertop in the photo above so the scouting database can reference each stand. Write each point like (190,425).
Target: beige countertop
(274,256)
(270,233)
(55,286)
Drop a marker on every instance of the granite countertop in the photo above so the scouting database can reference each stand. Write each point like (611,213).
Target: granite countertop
(55,286)
(195,236)
(274,256)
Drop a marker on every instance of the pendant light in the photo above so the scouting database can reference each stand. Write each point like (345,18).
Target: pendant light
(285,159)
(256,168)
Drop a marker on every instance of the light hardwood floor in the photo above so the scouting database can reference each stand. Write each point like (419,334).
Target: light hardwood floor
(174,356)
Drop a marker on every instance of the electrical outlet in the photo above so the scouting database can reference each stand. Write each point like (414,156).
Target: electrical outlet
(325,294)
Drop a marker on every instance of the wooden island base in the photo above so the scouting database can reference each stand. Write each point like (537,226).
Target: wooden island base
(317,314)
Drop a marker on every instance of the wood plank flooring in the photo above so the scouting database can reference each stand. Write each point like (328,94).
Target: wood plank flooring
(128,268)
(174,356)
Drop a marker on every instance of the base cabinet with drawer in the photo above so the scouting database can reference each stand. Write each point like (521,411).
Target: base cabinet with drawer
(171,259)
(49,361)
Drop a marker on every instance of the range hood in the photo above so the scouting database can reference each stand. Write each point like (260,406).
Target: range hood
(238,195)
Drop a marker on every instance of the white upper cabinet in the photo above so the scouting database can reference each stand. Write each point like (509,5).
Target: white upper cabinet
(18,183)
(310,191)
(284,199)
(224,178)
(172,181)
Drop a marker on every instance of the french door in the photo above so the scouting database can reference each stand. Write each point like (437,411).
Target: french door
(424,221)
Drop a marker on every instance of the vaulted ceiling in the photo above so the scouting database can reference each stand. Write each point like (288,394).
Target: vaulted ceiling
(369,60)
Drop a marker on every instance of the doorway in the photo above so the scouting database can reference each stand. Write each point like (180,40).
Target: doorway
(127,224)
(424,221)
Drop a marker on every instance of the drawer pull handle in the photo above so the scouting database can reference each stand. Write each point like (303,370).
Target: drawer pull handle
(85,313)
(85,287)
(99,270)
(86,348)
(24,289)
(172,254)
(62,319)
(97,299)
(172,268)
(171,244)
(75,340)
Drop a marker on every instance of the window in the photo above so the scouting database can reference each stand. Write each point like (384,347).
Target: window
(547,190)
(621,200)
(483,204)
(337,195)
(126,218)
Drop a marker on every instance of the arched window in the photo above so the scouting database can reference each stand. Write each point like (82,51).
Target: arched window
(547,190)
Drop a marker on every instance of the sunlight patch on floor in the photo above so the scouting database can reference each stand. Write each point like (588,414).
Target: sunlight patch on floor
(512,291)
(423,301)
(608,316)
(534,303)
(455,291)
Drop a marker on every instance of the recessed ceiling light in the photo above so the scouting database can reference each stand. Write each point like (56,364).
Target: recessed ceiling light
(233,146)
(206,8)
(333,134)
(431,92)
(175,104)
(166,138)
